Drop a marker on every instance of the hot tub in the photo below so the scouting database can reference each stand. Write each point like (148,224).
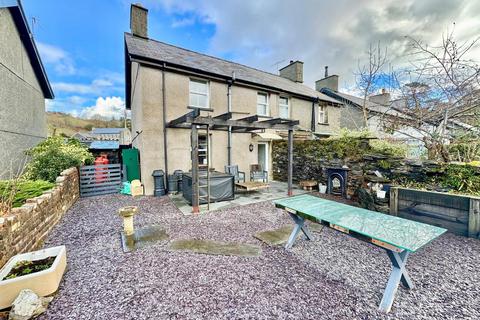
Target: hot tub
(222,187)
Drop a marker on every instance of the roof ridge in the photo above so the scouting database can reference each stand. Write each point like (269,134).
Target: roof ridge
(217,58)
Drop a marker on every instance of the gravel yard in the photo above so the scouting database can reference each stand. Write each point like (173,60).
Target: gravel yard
(332,277)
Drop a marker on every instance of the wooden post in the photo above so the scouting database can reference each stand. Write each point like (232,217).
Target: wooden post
(194,143)
(474,218)
(290,162)
(394,201)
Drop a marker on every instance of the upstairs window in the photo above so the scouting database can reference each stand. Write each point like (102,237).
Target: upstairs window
(262,104)
(198,93)
(322,115)
(283,108)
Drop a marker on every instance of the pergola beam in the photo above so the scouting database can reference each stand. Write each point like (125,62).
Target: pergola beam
(224,116)
(249,119)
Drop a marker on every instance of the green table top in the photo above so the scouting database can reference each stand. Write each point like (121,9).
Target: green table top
(401,233)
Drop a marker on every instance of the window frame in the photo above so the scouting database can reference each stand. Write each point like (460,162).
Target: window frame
(267,108)
(324,114)
(207,94)
(287,105)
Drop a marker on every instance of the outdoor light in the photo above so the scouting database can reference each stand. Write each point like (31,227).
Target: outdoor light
(250,147)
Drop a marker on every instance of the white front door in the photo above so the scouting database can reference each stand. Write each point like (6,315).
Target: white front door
(263,155)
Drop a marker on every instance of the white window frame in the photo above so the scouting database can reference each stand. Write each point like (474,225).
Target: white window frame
(267,109)
(322,115)
(207,95)
(280,105)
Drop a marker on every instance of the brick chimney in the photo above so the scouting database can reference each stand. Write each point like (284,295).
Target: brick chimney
(294,71)
(330,82)
(138,20)
(382,98)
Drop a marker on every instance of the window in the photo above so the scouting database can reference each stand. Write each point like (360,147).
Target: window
(262,104)
(198,93)
(322,115)
(283,110)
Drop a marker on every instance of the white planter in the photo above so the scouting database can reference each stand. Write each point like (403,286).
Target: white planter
(381,194)
(43,283)
(322,188)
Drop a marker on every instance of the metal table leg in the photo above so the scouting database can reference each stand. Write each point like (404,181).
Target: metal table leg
(299,225)
(399,274)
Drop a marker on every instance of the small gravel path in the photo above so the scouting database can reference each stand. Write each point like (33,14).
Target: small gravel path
(332,277)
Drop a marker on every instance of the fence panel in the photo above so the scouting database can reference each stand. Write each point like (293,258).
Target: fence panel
(100,179)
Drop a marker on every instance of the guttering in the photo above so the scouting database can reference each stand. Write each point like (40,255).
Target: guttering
(229,109)
(164,112)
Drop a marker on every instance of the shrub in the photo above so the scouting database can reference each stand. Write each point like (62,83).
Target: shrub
(55,154)
(388,148)
(14,193)
(462,178)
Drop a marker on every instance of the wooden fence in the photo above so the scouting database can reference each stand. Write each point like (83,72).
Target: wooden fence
(100,179)
(457,213)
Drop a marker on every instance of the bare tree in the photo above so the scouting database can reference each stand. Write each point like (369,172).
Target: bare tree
(369,73)
(444,88)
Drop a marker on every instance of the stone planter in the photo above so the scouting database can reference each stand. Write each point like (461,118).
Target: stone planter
(43,283)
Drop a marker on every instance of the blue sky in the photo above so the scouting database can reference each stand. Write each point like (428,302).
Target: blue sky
(81,41)
(81,45)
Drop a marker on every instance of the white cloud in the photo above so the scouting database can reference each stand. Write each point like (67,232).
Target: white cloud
(109,107)
(184,22)
(334,33)
(59,58)
(106,85)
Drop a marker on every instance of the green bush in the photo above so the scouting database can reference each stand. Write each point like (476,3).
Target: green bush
(18,191)
(388,148)
(55,154)
(462,178)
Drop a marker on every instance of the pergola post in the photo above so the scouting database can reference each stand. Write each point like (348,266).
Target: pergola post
(194,142)
(290,162)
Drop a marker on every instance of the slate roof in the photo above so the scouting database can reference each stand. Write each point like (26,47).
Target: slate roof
(160,52)
(18,15)
(107,130)
(104,145)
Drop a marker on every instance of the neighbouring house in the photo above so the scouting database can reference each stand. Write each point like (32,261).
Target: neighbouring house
(165,82)
(24,86)
(122,135)
(84,137)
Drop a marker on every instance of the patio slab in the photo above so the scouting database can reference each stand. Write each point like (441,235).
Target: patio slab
(276,190)
(215,247)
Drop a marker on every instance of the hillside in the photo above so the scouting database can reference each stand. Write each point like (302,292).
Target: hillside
(64,124)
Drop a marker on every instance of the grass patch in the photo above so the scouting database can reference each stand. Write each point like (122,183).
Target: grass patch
(18,191)
(216,247)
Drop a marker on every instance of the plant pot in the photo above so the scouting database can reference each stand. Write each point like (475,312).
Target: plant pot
(43,283)
(381,194)
(322,188)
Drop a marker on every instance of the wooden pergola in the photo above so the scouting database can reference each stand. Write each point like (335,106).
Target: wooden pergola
(223,122)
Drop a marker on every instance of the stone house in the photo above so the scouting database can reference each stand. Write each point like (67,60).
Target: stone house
(163,82)
(24,87)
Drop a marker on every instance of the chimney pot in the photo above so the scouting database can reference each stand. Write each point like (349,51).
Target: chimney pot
(326,71)
(138,20)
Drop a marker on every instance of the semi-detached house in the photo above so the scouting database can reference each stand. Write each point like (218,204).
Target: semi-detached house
(164,82)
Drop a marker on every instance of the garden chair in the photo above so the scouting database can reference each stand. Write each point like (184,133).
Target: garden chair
(233,170)
(257,173)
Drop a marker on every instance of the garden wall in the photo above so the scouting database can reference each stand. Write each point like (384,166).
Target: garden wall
(26,227)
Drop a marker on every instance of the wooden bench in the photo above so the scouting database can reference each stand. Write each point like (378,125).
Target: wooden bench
(398,236)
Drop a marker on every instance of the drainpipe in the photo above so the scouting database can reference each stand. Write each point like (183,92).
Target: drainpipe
(164,108)
(229,109)
(315,100)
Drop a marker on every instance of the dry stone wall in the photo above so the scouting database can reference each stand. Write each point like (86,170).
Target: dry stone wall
(26,227)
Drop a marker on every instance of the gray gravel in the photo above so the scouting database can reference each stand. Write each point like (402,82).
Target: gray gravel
(332,277)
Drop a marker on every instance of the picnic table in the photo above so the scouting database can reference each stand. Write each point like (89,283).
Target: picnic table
(399,237)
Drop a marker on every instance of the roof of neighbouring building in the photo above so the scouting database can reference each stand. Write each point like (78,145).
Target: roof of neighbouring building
(18,15)
(107,130)
(160,52)
(104,145)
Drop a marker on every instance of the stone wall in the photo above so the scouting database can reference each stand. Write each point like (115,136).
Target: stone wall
(26,227)
(309,164)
